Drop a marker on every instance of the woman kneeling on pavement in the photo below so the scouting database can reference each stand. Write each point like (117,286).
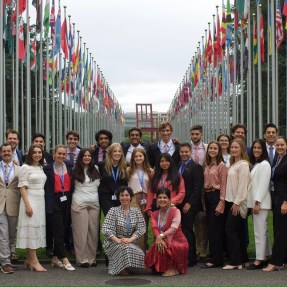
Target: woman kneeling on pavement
(122,227)
(169,253)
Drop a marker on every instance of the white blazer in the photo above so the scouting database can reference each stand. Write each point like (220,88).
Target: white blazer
(261,174)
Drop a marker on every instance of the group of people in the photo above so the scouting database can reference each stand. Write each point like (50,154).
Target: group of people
(195,195)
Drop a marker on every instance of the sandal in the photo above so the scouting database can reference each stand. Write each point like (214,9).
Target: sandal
(14,256)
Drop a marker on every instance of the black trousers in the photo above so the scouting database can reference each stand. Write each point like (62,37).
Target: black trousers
(215,227)
(187,221)
(49,234)
(107,204)
(59,221)
(234,230)
(279,249)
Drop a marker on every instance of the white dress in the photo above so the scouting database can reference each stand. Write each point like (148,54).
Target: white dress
(31,231)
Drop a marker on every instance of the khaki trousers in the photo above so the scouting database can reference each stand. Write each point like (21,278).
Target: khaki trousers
(85,226)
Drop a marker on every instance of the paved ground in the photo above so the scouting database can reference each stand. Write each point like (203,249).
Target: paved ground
(99,277)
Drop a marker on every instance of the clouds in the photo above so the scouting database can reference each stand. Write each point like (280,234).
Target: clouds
(143,47)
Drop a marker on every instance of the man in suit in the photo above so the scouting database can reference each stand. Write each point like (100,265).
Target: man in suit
(72,138)
(165,144)
(135,137)
(13,138)
(192,174)
(270,135)
(9,207)
(198,150)
(104,140)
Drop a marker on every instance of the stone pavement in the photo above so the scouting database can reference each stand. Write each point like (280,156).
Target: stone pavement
(98,276)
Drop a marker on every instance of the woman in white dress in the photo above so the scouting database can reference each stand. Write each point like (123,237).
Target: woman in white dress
(31,232)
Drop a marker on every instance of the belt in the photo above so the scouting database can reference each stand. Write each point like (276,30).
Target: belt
(211,190)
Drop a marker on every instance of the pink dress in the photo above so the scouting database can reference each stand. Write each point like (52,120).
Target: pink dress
(176,255)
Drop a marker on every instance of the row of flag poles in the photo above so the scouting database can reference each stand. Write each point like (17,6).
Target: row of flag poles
(224,82)
(57,85)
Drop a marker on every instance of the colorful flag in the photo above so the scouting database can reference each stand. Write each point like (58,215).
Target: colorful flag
(37,5)
(46,21)
(33,56)
(52,20)
(219,47)
(57,44)
(229,25)
(285,10)
(21,43)
(21,9)
(71,43)
(215,45)
(255,50)
(208,50)
(279,25)
(223,26)
(64,39)
(262,48)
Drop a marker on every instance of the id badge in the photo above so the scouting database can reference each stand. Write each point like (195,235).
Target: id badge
(63,198)
(114,197)
(143,201)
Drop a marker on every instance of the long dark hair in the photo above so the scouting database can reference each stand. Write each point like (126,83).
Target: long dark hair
(219,157)
(29,157)
(79,173)
(264,155)
(172,176)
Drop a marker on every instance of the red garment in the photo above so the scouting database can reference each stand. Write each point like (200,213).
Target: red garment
(176,198)
(58,183)
(176,255)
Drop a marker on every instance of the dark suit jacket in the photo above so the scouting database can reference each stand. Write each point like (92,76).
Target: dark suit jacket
(193,182)
(50,183)
(154,153)
(126,146)
(95,155)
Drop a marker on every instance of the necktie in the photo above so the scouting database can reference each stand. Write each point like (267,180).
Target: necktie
(104,154)
(165,148)
(72,156)
(196,154)
(271,157)
(6,173)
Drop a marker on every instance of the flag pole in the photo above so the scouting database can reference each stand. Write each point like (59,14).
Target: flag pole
(2,51)
(16,103)
(47,124)
(242,105)
(22,109)
(41,110)
(268,61)
(260,117)
(274,113)
(254,85)
(65,80)
(28,79)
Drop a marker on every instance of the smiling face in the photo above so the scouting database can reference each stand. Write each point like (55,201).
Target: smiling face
(281,146)
(104,141)
(125,198)
(163,201)
(37,155)
(195,136)
(117,154)
(270,136)
(7,153)
(224,142)
(239,134)
(60,155)
(72,142)
(39,141)
(139,158)
(185,153)
(257,150)
(87,158)
(213,151)
(235,150)
(165,134)
(135,137)
(12,140)
(164,164)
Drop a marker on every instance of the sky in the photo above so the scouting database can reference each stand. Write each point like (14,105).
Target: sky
(143,47)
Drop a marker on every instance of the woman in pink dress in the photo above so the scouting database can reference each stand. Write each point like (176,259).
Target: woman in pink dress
(169,252)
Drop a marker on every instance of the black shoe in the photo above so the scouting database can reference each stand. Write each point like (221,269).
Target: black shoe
(192,264)
(255,267)
(49,252)
(85,265)
(94,264)
(210,265)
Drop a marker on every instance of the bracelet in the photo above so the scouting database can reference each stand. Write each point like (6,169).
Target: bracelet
(27,203)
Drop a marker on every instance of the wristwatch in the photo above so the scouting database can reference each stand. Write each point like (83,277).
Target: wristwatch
(161,235)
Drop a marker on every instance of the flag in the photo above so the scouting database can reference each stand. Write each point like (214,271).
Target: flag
(21,43)
(279,26)
(21,9)
(223,27)
(229,24)
(57,44)
(33,56)
(262,48)
(255,51)
(52,20)
(285,8)
(37,5)
(64,39)
(46,21)
(208,50)
(219,47)
(245,56)
(215,45)
(71,43)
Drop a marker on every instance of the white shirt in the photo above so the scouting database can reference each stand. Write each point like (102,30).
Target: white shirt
(170,147)
(12,173)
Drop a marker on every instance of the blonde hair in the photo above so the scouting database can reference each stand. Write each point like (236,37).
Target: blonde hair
(58,147)
(243,155)
(109,161)
(133,166)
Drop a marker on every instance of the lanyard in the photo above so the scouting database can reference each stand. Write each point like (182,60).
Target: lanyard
(115,176)
(183,166)
(163,180)
(141,179)
(226,158)
(62,176)
(161,225)
(6,177)
(128,223)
